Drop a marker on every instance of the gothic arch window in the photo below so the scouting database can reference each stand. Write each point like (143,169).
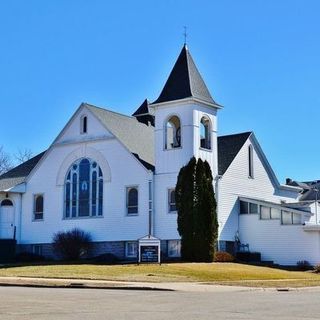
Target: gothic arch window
(132,200)
(173,133)
(84,124)
(205,133)
(84,189)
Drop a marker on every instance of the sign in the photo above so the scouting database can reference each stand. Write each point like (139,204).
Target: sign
(149,250)
(149,253)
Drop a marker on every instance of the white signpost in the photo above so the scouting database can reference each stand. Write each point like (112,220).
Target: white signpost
(149,250)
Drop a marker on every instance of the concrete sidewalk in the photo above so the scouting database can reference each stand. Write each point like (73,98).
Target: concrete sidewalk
(104,284)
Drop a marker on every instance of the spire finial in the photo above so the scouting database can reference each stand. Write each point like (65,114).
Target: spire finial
(185,35)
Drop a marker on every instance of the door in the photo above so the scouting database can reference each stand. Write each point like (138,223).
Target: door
(6,219)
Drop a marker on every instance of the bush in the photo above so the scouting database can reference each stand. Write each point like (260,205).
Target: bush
(221,256)
(29,257)
(303,265)
(107,258)
(316,268)
(72,245)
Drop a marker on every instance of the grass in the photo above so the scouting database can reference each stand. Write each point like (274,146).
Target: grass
(216,273)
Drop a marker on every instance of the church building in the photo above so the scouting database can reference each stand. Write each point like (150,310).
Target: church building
(114,176)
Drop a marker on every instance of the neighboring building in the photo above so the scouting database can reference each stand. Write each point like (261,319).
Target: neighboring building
(114,176)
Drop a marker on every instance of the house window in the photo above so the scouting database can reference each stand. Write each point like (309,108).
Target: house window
(84,190)
(248,207)
(172,200)
(131,249)
(132,200)
(205,130)
(84,124)
(37,249)
(265,213)
(250,161)
(172,133)
(174,248)
(38,207)
(288,217)
(275,213)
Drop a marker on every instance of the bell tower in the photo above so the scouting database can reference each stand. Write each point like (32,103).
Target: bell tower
(185,119)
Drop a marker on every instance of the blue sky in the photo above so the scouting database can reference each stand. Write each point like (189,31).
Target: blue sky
(260,59)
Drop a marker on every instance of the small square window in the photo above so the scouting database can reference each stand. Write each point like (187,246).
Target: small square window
(174,248)
(37,249)
(275,213)
(244,207)
(296,218)
(286,217)
(131,249)
(265,213)
(253,208)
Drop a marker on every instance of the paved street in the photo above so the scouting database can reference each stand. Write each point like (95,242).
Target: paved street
(45,303)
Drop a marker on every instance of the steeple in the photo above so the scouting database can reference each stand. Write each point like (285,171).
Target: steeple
(185,81)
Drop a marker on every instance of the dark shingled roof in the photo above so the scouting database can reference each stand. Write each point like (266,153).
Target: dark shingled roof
(143,114)
(135,136)
(228,148)
(185,81)
(18,174)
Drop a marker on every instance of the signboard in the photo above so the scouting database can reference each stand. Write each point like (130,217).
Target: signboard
(149,250)
(149,253)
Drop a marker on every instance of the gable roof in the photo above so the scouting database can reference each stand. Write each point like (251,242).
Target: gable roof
(185,81)
(18,174)
(137,137)
(228,148)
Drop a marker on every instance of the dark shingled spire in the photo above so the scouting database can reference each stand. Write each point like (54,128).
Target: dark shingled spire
(185,81)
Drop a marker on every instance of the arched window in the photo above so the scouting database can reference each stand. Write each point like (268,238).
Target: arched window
(6,202)
(38,207)
(172,200)
(250,161)
(84,190)
(132,200)
(173,133)
(205,133)
(84,124)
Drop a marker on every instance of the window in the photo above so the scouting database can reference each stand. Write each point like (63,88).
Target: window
(205,132)
(275,213)
(84,124)
(174,248)
(290,217)
(265,213)
(84,190)
(131,249)
(6,202)
(244,207)
(286,217)
(250,161)
(172,200)
(132,200)
(38,207)
(37,249)
(173,133)
(253,208)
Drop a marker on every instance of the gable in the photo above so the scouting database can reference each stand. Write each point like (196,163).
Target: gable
(72,132)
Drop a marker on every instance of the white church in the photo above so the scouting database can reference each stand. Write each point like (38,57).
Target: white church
(114,176)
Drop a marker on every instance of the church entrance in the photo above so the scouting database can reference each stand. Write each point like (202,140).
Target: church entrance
(6,219)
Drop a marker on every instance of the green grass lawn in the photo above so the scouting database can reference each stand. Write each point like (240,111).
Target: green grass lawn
(218,273)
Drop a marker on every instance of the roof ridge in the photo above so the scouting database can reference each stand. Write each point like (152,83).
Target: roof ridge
(108,110)
(235,134)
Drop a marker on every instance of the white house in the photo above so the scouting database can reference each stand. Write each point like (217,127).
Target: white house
(114,176)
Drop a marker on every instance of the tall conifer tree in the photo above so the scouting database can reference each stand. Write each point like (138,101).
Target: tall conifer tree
(197,217)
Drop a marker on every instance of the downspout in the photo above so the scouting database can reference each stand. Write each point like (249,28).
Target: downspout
(217,179)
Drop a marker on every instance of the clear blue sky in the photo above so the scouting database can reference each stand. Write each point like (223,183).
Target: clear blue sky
(260,59)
